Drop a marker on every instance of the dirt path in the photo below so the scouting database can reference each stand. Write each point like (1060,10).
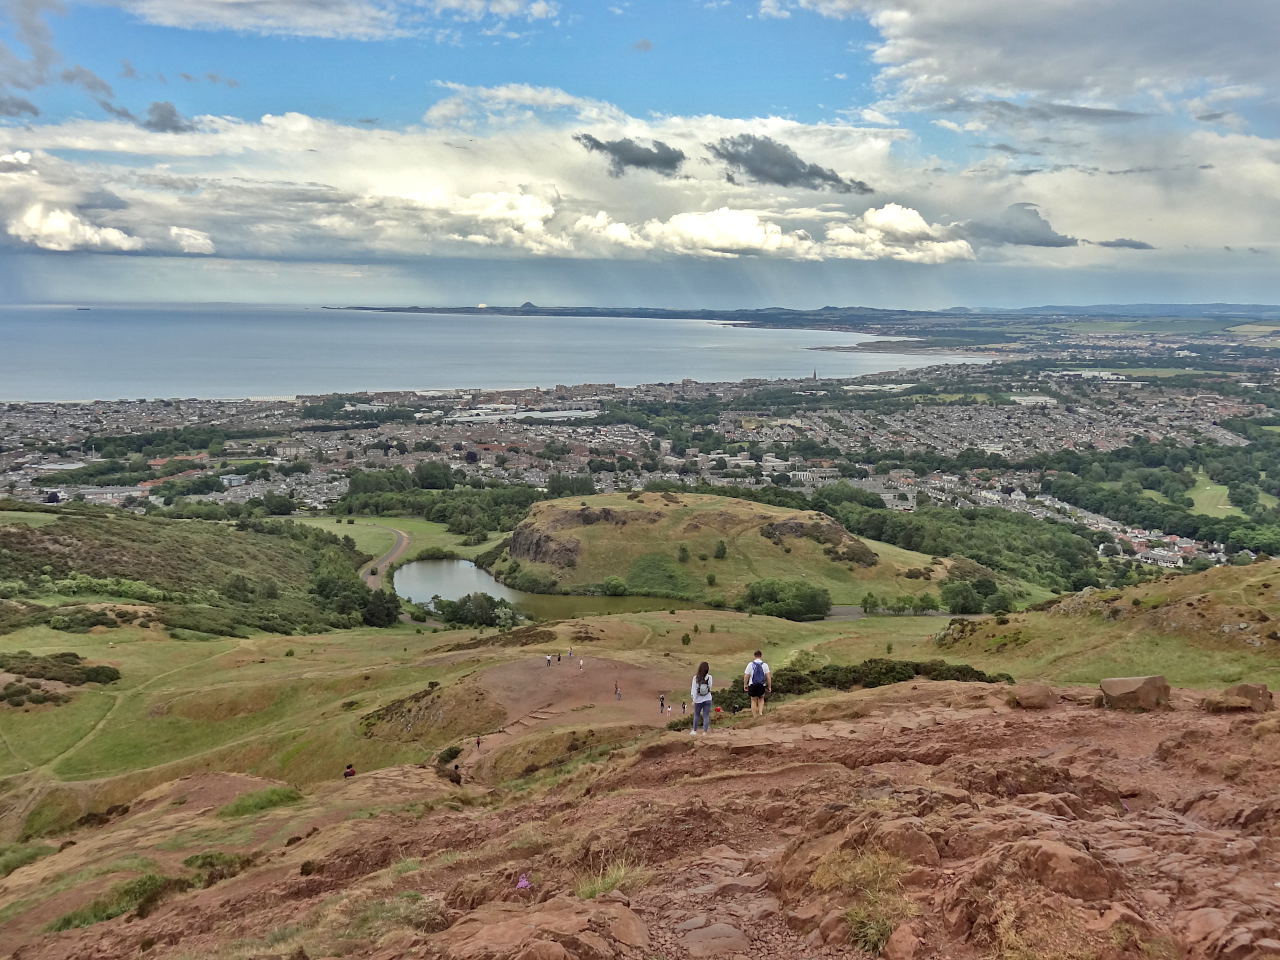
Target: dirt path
(374,580)
(537,696)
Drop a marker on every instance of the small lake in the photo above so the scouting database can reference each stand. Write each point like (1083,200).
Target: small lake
(452,579)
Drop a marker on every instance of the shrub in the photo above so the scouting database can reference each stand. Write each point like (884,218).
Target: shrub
(448,755)
(212,866)
(685,639)
(260,800)
(140,895)
(875,878)
(789,599)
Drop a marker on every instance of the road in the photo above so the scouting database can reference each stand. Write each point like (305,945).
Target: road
(380,564)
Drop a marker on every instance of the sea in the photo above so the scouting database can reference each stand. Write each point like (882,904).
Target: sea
(68,353)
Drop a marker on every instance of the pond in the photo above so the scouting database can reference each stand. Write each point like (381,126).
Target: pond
(420,580)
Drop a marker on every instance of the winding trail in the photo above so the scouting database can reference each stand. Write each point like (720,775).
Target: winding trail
(380,564)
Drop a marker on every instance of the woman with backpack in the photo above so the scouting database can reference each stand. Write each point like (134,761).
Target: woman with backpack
(700,691)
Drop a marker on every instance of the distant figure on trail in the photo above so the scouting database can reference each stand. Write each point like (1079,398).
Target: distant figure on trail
(683,707)
(477,743)
(582,664)
(662,703)
(350,772)
(571,653)
(617,691)
(757,681)
(548,659)
(700,691)
(557,658)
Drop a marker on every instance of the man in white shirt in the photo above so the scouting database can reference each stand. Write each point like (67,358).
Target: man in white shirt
(757,681)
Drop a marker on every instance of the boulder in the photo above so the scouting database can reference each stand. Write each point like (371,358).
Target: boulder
(715,940)
(1221,703)
(1259,697)
(903,944)
(1032,696)
(1135,693)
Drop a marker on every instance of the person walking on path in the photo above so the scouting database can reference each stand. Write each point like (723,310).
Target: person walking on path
(582,664)
(548,659)
(662,703)
(757,681)
(700,691)
(683,707)
(557,658)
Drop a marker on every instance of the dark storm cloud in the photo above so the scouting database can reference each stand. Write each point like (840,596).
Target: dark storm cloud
(661,157)
(1020,224)
(17,106)
(163,117)
(765,160)
(1125,243)
(1005,111)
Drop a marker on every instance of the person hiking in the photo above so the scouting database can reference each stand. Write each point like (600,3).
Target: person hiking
(700,691)
(662,703)
(757,681)
(557,658)
(548,659)
(350,772)
(684,707)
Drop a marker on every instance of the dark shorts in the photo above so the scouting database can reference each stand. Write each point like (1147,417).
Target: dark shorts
(756,689)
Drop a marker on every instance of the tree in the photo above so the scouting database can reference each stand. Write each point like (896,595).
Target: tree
(925,603)
(682,554)
(614,586)
(870,604)
(790,599)
(960,597)
(998,602)
(721,550)
(985,586)
(382,609)
(711,579)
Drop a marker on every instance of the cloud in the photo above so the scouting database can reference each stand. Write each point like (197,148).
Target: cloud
(992,112)
(17,106)
(1020,224)
(644,45)
(163,117)
(661,158)
(191,241)
(350,19)
(62,230)
(84,77)
(1126,244)
(513,102)
(127,72)
(1088,51)
(765,160)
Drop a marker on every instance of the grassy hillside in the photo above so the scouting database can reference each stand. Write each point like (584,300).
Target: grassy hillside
(207,578)
(1200,630)
(575,543)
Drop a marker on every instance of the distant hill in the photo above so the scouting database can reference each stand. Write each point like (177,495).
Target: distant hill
(579,542)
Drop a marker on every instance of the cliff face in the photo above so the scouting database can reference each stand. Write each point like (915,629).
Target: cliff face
(538,546)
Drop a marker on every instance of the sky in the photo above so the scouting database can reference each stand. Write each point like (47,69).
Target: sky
(679,153)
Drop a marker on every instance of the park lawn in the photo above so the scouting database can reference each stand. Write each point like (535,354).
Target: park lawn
(22,518)
(378,536)
(1211,498)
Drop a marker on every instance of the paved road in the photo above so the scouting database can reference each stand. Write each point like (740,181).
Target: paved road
(374,580)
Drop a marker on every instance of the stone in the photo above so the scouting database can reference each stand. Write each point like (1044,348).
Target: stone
(544,950)
(906,838)
(715,940)
(735,885)
(833,927)
(693,923)
(903,944)
(1135,693)
(1221,703)
(1033,696)
(1260,698)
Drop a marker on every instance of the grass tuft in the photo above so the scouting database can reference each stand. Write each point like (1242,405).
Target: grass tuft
(874,877)
(140,895)
(623,874)
(260,800)
(15,855)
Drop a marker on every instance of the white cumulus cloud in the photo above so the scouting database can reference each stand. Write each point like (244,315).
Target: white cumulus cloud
(52,228)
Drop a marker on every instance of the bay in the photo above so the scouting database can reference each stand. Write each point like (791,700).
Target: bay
(229,351)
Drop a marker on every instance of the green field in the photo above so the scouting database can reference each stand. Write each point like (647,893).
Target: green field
(1211,498)
(376,535)
(21,518)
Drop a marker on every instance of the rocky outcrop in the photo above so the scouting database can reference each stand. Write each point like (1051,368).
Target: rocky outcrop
(841,545)
(1134,693)
(563,928)
(1032,696)
(1259,698)
(535,545)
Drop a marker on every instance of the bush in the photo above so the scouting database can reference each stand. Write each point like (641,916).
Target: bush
(140,895)
(448,755)
(623,874)
(685,639)
(789,599)
(15,855)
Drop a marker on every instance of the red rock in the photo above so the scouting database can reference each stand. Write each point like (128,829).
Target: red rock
(906,838)
(903,944)
(1259,697)
(1032,696)
(1135,693)
(544,950)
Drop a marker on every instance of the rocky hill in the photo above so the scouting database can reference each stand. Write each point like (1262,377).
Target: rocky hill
(916,821)
(702,548)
